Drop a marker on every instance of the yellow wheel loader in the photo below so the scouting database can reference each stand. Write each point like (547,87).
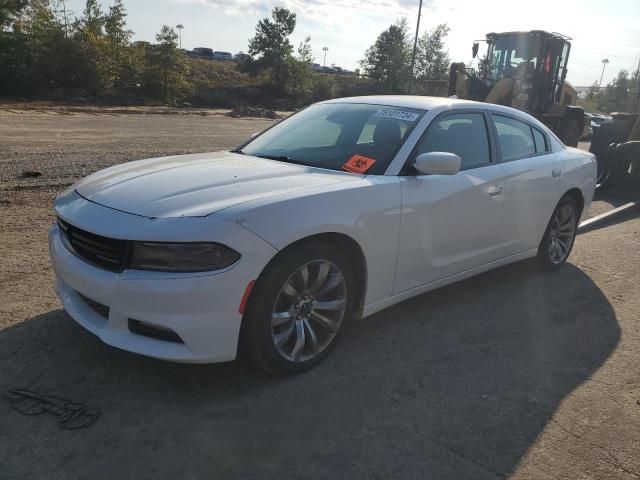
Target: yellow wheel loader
(527,71)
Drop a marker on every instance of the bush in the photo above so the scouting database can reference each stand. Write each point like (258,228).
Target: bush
(324,87)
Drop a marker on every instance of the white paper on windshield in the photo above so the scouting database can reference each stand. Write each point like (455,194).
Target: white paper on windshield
(397,115)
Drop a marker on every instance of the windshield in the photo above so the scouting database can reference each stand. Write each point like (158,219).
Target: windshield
(358,138)
(509,53)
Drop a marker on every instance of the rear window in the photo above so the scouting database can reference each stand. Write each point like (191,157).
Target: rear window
(540,141)
(515,138)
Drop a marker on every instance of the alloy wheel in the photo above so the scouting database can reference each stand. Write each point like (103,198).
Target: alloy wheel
(309,311)
(561,233)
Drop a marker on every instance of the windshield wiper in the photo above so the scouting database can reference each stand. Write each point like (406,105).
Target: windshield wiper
(284,158)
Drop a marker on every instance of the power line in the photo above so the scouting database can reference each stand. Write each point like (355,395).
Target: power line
(355,7)
(608,54)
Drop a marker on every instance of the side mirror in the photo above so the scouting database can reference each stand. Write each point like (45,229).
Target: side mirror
(475,48)
(438,163)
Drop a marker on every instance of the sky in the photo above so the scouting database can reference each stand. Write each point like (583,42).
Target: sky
(599,28)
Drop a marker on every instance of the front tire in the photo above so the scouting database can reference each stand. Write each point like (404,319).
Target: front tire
(560,235)
(298,308)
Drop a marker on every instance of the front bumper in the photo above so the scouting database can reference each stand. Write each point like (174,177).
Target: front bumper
(200,308)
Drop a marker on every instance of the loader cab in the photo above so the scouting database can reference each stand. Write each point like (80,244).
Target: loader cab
(535,61)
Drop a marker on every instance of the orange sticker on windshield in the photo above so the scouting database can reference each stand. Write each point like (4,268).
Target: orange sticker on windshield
(358,164)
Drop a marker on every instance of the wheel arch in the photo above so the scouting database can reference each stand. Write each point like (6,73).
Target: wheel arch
(343,242)
(577,195)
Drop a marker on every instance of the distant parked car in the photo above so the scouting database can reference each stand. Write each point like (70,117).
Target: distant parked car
(202,52)
(593,121)
(587,131)
(597,120)
(343,71)
(224,56)
(241,57)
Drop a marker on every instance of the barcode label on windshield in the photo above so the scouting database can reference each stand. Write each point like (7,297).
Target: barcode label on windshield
(397,115)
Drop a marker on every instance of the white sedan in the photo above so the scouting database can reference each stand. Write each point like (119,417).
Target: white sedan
(341,210)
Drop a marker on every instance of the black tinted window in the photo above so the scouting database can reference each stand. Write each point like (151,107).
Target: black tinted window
(541,143)
(515,138)
(464,134)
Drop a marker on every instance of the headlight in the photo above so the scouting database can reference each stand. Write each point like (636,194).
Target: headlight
(182,257)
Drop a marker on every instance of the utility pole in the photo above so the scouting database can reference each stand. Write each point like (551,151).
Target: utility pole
(604,64)
(415,45)
(638,87)
(180,27)
(325,50)
(66,24)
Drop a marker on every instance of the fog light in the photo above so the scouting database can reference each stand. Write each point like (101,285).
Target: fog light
(158,332)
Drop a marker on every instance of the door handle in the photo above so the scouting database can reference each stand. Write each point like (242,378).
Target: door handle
(495,190)
(556,172)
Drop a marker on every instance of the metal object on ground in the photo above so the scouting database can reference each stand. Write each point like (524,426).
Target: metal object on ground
(71,415)
(605,216)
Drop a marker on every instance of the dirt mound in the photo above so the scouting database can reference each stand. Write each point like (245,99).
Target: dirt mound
(255,112)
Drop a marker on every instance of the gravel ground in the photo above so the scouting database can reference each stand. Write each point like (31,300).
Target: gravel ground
(514,373)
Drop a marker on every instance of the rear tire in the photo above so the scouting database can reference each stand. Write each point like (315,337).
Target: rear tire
(298,308)
(559,237)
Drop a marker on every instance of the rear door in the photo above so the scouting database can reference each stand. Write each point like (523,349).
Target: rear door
(450,222)
(533,185)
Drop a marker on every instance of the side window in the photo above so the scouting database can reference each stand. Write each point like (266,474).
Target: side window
(464,134)
(541,142)
(515,138)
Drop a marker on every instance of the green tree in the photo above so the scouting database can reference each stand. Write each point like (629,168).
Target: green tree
(298,81)
(96,71)
(387,60)
(432,58)
(593,91)
(271,41)
(115,23)
(616,96)
(635,90)
(44,60)
(9,10)
(167,64)
(92,21)
(13,47)
(305,52)
(124,60)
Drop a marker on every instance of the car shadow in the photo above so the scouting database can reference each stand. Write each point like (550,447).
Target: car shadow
(456,383)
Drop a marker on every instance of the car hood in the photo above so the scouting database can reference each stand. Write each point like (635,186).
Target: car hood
(198,184)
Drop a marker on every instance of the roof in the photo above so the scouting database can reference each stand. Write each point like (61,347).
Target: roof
(542,33)
(405,101)
(438,104)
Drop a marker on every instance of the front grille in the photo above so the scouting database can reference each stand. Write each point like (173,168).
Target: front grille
(103,252)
